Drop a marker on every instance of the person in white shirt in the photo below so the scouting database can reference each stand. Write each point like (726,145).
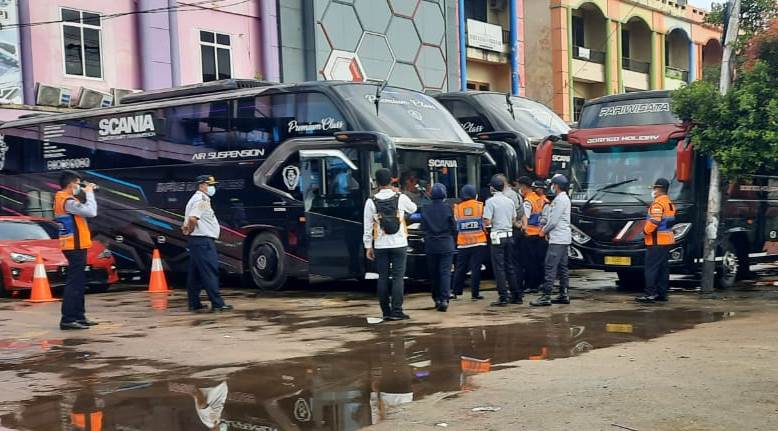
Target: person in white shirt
(202,227)
(386,241)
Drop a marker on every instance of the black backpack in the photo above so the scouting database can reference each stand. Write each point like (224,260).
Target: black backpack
(387,214)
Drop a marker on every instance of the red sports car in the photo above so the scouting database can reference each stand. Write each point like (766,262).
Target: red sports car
(22,239)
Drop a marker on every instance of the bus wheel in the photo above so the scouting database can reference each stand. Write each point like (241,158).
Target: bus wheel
(266,260)
(631,280)
(727,269)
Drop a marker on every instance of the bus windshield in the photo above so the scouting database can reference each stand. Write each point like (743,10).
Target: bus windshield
(420,169)
(402,113)
(531,118)
(636,112)
(597,172)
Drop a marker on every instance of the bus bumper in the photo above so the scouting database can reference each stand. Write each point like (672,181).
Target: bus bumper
(619,259)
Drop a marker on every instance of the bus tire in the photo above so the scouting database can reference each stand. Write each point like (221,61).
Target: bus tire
(727,270)
(631,281)
(266,262)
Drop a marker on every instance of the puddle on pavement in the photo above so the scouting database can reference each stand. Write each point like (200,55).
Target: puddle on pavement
(341,391)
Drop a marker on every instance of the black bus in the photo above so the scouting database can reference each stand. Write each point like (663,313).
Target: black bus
(512,128)
(294,164)
(622,145)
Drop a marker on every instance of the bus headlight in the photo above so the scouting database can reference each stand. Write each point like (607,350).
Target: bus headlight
(578,235)
(680,230)
(676,254)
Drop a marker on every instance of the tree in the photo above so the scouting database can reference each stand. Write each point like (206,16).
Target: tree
(754,16)
(739,129)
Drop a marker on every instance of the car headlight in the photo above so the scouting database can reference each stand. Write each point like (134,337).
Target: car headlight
(105,254)
(21,257)
(578,235)
(680,230)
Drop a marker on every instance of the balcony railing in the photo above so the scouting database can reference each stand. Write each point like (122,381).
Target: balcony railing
(635,65)
(587,54)
(506,37)
(674,73)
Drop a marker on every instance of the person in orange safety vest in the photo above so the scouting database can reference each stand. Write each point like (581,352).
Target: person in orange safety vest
(75,239)
(659,237)
(471,242)
(533,246)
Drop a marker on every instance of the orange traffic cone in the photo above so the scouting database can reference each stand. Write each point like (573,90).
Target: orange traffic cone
(157,281)
(159,302)
(41,291)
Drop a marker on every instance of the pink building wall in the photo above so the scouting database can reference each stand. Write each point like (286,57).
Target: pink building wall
(240,21)
(44,45)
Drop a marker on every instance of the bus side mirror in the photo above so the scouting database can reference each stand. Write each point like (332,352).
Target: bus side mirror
(543,155)
(684,161)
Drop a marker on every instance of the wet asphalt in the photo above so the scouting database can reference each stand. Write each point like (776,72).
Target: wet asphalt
(306,358)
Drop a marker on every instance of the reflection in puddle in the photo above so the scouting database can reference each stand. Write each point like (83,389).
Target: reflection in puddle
(342,391)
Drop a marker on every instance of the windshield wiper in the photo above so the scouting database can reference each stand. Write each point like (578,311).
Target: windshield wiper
(378,91)
(607,187)
(634,195)
(510,105)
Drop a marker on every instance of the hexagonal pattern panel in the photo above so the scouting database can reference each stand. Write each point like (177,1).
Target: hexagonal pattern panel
(430,23)
(342,26)
(403,39)
(405,76)
(431,66)
(375,55)
(404,7)
(374,14)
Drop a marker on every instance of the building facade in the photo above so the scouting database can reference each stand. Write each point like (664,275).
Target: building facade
(81,48)
(581,49)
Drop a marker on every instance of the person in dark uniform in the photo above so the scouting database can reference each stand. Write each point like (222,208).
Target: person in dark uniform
(471,242)
(439,227)
(500,216)
(75,239)
(659,238)
(202,227)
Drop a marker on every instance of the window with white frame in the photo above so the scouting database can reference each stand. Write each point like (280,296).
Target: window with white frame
(215,55)
(81,39)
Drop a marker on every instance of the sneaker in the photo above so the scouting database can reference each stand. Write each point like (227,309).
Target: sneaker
(646,299)
(66,326)
(87,322)
(500,303)
(224,307)
(399,316)
(477,297)
(542,301)
(561,299)
(442,307)
(517,300)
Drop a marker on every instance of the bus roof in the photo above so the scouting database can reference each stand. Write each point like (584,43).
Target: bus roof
(471,93)
(220,90)
(651,94)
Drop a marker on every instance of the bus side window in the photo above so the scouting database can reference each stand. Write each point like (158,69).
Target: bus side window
(331,183)
(40,204)
(203,125)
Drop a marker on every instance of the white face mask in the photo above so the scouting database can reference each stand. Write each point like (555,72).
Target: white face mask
(653,194)
(211,190)
(77,190)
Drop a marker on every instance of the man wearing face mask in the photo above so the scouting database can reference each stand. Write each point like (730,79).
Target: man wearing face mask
(202,227)
(75,239)
(659,237)
(557,230)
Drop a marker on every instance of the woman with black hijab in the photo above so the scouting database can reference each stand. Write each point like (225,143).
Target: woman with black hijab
(439,227)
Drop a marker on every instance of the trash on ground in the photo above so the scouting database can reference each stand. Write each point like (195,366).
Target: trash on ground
(487,409)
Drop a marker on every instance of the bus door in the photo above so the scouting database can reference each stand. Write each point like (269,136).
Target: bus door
(333,198)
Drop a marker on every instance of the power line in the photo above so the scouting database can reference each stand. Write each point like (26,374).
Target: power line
(179,7)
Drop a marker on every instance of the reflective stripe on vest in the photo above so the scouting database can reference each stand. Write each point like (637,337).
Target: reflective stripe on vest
(663,234)
(74,231)
(470,223)
(533,222)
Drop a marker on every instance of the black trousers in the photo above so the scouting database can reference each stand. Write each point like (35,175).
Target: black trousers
(469,259)
(556,264)
(73,309)
(657,270)
(440,275)
(534,251)
(520,260)
(390,263)
(203,272)
(504,269)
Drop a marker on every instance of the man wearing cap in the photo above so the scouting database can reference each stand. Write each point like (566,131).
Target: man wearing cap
(533,246)
(202,227)
(659,237)
(557,230)
(500,216)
